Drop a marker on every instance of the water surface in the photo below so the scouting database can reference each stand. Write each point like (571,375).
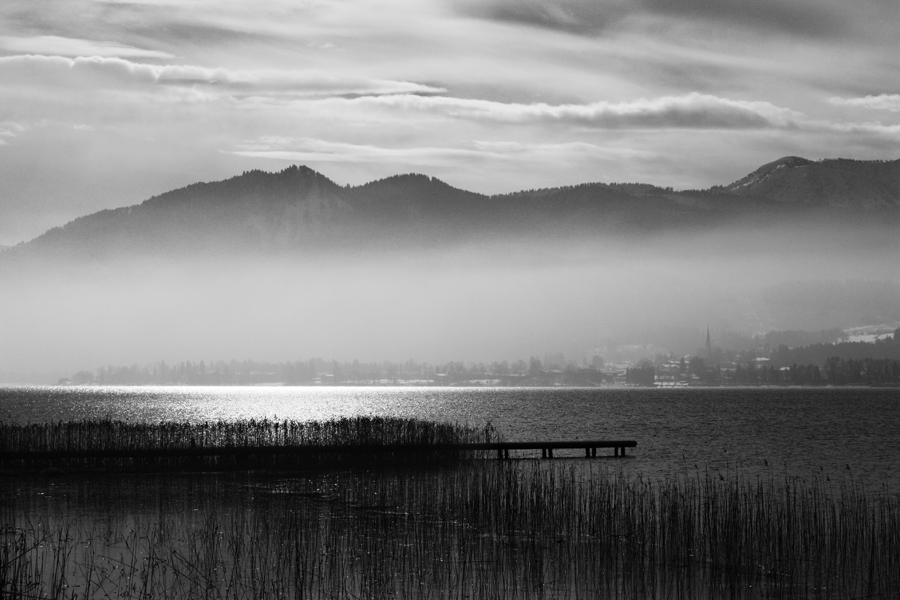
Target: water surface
(833,433)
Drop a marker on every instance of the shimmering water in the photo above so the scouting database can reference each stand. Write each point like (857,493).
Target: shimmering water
(837,433)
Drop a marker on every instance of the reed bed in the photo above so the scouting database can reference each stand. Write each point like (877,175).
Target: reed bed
(489,530)
(113,435)
(111,443)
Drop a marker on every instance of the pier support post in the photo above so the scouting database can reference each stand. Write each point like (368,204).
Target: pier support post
(549,452)
(587,452)
(543,453)
(594,451)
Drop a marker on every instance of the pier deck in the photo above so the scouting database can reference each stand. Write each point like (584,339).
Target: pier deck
(547,448)
(590,450)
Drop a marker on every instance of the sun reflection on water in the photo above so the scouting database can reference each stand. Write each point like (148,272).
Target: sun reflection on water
(769,433)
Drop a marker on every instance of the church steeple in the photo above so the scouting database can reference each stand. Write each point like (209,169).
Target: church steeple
(708,347)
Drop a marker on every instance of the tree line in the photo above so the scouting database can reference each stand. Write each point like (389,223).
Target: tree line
(817,354)
(317,371)
(842,363)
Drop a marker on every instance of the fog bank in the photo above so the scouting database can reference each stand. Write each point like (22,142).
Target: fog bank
(499,301)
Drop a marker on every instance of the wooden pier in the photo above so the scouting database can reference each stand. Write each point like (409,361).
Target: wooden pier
(547,448)
(502,448)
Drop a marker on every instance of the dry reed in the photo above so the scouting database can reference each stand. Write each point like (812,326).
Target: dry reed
(478,530)
(121,445)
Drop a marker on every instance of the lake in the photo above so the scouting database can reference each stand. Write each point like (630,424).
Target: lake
(681,517)
(833,433)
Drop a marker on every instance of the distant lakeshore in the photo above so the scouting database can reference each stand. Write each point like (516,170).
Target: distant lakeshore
(493,384)
(646,376)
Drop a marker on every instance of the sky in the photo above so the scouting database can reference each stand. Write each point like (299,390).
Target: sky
(105,103)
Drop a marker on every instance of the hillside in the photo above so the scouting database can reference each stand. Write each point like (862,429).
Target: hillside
(841,183)
(299,209)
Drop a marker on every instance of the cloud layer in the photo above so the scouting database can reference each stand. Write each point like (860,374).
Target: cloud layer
(692,111)
(889,102)
(63,46)
(592,17)
(258,81)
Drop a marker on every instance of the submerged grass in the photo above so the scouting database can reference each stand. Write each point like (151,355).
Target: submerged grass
(477,530)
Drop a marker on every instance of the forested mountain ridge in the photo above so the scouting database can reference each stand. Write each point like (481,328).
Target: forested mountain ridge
(842,183)
(301,209)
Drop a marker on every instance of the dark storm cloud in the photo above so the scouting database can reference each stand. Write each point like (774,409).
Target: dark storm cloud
(591,16)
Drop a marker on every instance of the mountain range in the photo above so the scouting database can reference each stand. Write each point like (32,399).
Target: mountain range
(299,209)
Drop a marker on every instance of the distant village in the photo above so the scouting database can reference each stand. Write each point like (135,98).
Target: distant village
(872,360)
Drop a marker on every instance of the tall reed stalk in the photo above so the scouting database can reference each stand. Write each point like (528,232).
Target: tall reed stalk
(478,530)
